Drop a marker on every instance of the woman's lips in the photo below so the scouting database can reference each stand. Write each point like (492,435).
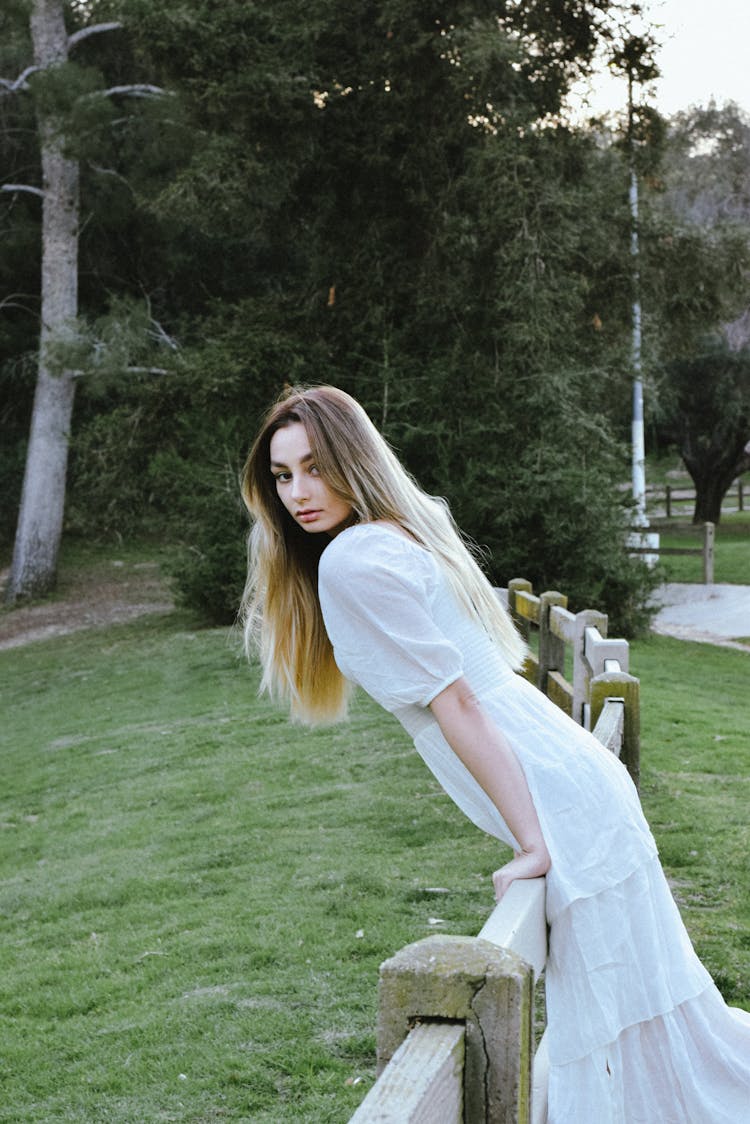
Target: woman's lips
(308,515)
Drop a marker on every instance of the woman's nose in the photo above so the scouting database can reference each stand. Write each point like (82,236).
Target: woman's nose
(298,488)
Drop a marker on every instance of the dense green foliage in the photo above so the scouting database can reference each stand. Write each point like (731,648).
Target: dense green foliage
(196,896)
(381,196)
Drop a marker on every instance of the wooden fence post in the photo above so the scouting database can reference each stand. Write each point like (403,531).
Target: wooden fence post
(551,647)
(669,500)
(518,585)
(708,553)
(740,496)
(619,685)
(589,618)
(490,989)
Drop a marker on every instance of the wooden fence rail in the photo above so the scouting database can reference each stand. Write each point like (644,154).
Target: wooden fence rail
(672,494)
(455,1014)
(599,666)
(706,550)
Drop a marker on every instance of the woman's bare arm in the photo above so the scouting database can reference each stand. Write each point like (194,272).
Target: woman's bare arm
(486,753)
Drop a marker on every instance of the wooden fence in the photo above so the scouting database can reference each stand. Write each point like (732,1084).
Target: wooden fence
(706,550)
(455,1014)
(672,495)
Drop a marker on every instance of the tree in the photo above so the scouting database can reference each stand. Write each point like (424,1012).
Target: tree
(697,243)
(700,273)
(56,86)
(382,196)
(709,404)
(433,251)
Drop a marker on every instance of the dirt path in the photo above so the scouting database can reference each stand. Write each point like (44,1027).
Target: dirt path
(108,593)
(708,614)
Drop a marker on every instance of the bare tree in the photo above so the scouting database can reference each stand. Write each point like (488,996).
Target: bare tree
(39,529)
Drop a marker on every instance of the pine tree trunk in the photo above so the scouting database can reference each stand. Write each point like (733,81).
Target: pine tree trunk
(34,567)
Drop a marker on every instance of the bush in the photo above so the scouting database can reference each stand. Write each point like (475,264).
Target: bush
(210,567)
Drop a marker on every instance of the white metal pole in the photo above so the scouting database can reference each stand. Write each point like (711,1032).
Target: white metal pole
(639,456)
(638,440)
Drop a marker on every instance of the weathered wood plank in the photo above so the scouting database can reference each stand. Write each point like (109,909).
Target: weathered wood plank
(665,549)
(423,1082)
(585,620)
(614,685)
(519,922)
(598,649)
(530,669)
(527,606)
(560,691)
(517,586)
(708,553)
(551,648)
(610,726)
(562,623)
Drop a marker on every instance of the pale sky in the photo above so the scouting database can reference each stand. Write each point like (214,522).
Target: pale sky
(705,53)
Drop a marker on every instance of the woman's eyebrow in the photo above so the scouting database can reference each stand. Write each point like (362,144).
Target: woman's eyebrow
(303,460)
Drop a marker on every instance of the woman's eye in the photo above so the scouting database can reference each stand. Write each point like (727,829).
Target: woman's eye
(314,471)
(282,477)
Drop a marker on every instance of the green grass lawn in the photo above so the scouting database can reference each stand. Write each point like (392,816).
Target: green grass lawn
(196,896)
(731,551)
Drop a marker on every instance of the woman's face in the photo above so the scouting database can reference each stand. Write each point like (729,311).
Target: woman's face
(301,488)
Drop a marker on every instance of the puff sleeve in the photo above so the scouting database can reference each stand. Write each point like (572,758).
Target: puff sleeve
(375,591)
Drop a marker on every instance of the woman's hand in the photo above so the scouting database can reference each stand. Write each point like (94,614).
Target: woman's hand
(527,864)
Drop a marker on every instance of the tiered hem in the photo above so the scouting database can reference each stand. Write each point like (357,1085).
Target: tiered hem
(690,1065)
(638,1033)
(617,959)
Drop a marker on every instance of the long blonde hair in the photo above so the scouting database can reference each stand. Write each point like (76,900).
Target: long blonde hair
(280,608)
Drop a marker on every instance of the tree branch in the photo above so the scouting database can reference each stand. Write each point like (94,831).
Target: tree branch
(9,86)
(161,336)
(95,29)
(19,83)
(139,90)
(12,301)
(111,172)
(80,374)
(22,187)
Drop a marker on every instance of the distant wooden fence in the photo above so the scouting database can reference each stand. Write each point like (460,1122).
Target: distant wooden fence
(672,495)
(455,1014)
(598,665)
(706,550)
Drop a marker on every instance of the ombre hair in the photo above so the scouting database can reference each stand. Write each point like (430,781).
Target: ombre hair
(280,608)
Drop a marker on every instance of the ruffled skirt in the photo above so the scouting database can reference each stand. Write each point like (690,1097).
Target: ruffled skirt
(687,1066)
(638,1033)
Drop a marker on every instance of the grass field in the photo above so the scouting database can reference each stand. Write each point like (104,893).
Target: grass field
(731,551)
(196,895)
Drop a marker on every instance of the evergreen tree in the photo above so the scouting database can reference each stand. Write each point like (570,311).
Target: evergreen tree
(377,196)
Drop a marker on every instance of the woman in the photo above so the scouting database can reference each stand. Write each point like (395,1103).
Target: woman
(356,575)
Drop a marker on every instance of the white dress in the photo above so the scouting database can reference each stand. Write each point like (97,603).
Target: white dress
(638,1033)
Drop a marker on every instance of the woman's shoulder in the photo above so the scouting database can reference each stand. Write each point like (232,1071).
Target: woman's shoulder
(365,547)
